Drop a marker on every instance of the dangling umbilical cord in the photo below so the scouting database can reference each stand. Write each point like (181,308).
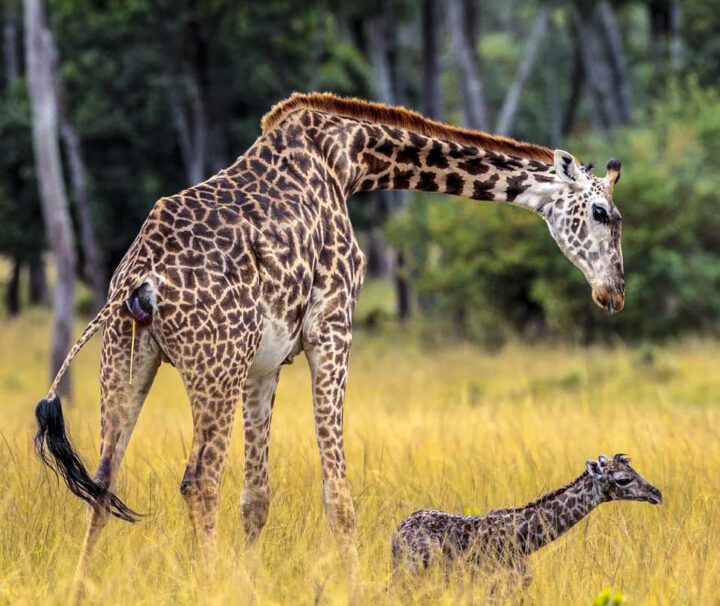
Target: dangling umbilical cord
(132,352)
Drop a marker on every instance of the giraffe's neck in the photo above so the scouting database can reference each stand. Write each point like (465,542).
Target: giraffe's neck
(544,520)
(368,156)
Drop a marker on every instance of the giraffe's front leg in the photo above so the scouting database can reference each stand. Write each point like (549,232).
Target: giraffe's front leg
(258,400)
(521,574)
(327,347)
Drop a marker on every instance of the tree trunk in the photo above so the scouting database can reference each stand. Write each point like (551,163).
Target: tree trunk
(665,39)
(616,60)
(39,46)
(12,295)
(512,99)
(431,102)
(382,51)
(11,64)
(659,30)
(94,267)
(402,288)
(604,64)
(181,122)
(577,81)
(200,127)
(11,56)
(38,281)
(553,85)
(377,32)
(377,249)
(431,24)
(675,32)
(186,128)
(461,22)
(318,48)
(189,88)
(598,76)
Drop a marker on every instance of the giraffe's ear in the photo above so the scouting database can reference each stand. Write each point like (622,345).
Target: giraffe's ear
(568,169)
(595,469)
(614,171)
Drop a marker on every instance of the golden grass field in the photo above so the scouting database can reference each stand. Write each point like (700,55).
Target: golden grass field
(454,429)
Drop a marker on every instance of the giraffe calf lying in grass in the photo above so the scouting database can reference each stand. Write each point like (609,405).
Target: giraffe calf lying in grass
(505,537)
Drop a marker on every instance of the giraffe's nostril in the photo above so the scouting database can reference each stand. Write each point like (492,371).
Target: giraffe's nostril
(601,296)
(608,297)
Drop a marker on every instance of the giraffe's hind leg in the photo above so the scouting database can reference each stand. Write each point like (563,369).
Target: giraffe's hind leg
(258,400)
(212,345)
(214,400)
(120,406)
(214,376)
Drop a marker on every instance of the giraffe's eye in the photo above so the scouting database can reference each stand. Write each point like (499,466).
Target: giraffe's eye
(600,214)
(623,481)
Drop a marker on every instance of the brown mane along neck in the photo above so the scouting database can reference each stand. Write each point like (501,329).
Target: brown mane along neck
(551,495)
(402,118)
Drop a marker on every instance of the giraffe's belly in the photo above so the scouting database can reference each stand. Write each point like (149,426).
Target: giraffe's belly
(278,346)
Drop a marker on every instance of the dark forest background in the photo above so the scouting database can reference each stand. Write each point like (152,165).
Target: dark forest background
(150,96)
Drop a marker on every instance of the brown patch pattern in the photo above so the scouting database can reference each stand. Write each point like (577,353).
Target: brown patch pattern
(505,537)
(260,262)
(402,118)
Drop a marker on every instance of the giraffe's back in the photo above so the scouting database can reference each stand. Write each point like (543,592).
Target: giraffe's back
(249,237)
(426,537)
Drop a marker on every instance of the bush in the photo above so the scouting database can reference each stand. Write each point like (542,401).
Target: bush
(487,271)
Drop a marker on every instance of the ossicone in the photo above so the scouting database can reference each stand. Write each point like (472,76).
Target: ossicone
(614,170)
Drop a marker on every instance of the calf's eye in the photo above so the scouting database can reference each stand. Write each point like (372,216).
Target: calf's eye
(623,481)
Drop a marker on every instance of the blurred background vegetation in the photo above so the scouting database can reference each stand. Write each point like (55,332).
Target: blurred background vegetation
(155,95)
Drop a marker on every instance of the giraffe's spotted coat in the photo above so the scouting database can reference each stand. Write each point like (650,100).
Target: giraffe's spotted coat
(507,536)
(260,262)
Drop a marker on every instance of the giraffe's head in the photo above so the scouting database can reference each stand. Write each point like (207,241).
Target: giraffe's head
(587,226)
(616,480)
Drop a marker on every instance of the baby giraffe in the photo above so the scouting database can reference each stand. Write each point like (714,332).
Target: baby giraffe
(507,536)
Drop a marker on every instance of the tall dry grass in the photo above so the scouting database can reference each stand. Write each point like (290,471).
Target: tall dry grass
(453,429)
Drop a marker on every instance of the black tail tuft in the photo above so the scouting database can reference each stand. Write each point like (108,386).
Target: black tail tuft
(54,448)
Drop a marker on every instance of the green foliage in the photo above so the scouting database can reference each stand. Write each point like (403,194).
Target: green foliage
(701,43)
(480,272)
(116,85)
(486,272)
(21,227)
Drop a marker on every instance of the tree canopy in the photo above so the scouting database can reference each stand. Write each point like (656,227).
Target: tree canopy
(164,93)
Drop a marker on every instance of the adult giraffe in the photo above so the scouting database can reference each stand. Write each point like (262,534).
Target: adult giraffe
(230,279)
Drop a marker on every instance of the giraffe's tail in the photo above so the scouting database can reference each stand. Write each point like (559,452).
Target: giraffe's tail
(53,444)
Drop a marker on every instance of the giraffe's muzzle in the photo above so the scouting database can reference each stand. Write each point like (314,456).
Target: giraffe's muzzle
(612,300)
(655,497)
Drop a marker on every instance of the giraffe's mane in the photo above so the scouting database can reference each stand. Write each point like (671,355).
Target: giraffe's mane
(551,495)
(403,118)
